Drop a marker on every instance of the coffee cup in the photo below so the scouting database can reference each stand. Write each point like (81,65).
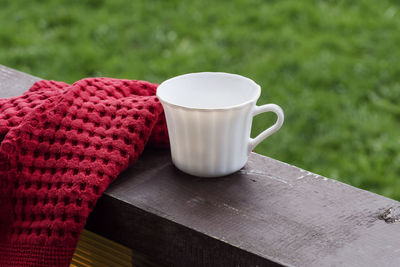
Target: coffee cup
(209,117)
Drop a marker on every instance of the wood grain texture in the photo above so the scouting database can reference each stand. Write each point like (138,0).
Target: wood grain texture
(268,213)
(268,210)
(13,82)
(95,250)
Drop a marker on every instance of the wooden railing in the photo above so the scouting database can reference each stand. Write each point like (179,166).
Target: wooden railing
(268,213)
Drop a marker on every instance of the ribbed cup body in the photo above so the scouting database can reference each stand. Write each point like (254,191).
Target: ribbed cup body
(209,142)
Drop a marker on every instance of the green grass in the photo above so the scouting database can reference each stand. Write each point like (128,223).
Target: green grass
(333,66)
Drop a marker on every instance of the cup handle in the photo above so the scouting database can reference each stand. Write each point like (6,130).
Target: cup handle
(278,124)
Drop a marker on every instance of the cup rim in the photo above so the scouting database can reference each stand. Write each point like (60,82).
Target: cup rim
(237,106)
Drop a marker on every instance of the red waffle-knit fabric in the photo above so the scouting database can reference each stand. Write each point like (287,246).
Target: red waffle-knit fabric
(61,146)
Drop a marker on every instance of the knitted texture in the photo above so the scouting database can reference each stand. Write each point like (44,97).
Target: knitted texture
(61,146)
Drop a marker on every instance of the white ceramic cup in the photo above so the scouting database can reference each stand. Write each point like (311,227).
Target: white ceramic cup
(209,117)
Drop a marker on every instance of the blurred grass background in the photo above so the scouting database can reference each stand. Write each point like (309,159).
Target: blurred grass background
(333,66)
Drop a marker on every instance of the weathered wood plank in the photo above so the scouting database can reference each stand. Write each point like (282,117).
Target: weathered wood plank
(13,82)
(267,213)
(276,211)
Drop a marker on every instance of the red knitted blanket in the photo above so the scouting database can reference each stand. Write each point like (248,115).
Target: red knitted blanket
(61,146)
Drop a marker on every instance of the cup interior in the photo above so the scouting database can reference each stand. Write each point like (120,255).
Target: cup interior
(208,90)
